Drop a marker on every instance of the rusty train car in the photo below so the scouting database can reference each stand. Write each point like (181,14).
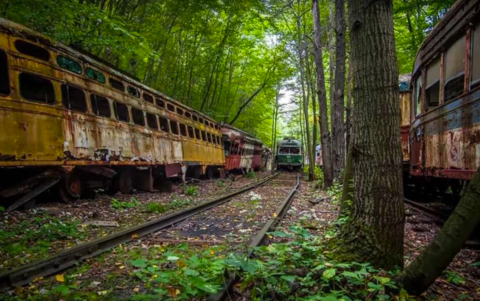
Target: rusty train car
(71,120)
(444,134)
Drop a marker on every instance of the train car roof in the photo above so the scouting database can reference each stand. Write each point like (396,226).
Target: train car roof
(289,142)
(240,133)
(21,31)
(446,31)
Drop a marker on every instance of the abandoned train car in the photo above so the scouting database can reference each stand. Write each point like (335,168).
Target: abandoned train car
(69,118)
(444,136)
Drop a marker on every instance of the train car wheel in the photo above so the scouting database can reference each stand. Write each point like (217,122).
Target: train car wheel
(125,182)
(70,188)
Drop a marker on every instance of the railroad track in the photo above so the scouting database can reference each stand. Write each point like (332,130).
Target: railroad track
(70,257)
(436,215)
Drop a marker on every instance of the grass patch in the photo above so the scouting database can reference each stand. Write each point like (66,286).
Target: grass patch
(116,204)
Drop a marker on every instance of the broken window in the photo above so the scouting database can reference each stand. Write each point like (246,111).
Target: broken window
(36,88)
(204,136)
(73,99)
(475,73)
(137,117)
(69,64)
(191,134)
(117,85)
(174,127)
(132,91)
(164,124)
(160,103)
(417,100)
(183,130)
(148,98)
(454,87)
(432,84)
(95,75)
(121,111)
(4,79)
(170,107)
(197,134)
(152,121)
(454,69)
(100,105)
(32,50)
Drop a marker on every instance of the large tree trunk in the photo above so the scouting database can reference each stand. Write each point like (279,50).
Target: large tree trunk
(374,232)
(338,131)
(322,100)
(436,257)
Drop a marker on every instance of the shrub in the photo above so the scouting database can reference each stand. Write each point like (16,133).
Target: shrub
(190,190)
(154,207)
(116,204)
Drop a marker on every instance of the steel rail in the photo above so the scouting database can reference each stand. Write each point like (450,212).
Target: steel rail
(260,239)
(436,215)
(68,258)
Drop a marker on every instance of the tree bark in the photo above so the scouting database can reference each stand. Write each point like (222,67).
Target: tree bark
(322,99)
(337,106)
(436,257)
(374,233)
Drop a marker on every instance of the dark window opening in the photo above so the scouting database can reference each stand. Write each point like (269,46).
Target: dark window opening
(209,137)
(95,75)
(137,116)
(117,85)
(35,88)
(174,127)
(432,95)
(179,111)
(183,130)
(100,105)
(152,121)
(121,111)
(205,122)
(204,136)
(4,81)
(200,120)
(218,140)
(148,98)
(211,125)
(160,103)
(197,134)
(170,107)
(195,118)
(188,115)
(73,99)
(454,88)
(190,132)
(32,50)
(69,64)
(132,91)
(164,124)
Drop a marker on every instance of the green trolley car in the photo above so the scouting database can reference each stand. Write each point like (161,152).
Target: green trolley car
(289,154)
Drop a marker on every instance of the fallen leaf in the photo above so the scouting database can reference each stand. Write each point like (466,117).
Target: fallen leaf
(121,267)
(274,214)
(136,289)
(135,235)
(212,252)
(60,278)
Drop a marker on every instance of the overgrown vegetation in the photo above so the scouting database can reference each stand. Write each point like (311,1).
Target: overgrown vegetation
(250,175)
(190,190)
(116,204)
(154,207)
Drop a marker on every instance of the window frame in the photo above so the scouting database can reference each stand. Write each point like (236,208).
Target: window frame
(132,88)
(148,96)
(170,107)
(148,120)
(134,112)
(176,127)
(95,72)
(59,56)
(115,110)
(8,89)
(167,123)
(33,100)
(96,104)
(33,46)
(110,80)
(68,87)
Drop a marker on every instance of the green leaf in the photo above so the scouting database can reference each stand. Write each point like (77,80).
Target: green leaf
(279,234)
(190,272)
(62,289)
(382,280)
(203,285)
(329,298)
(289,278)
(329,273)
(173,258)
(139,263)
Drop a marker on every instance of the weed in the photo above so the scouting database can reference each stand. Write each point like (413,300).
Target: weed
(175,204)
(250,175)
(116,204)
(190,190)
(452,277)
(2,209)
(220,183)
(154,207)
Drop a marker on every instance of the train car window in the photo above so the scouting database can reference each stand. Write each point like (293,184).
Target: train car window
(73,99)
(117,85)
(100,105)
(209,137)
(183,130)
(454,87)
(205,122)
(174,127)
(200,120)
(132,91)
(121,111)
(188,115)
(432,84)
(219,141)
(170,107)
(164,124)
(454,69)
(137,116)
(160,103)
(152,121)
(69,64)
(148,98)
(32,50)
(197,134)
(204,136)
(195,118)
(36,88)
(417,99)
(191,134)
(179,111)
(475,73)
(95,75)
(4,79)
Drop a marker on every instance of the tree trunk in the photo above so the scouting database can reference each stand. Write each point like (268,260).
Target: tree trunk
(348,113)
(375,230)
(322,100)
(436,257)
(338,130)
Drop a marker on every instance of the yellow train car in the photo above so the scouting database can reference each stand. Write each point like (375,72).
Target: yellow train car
(69,116)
